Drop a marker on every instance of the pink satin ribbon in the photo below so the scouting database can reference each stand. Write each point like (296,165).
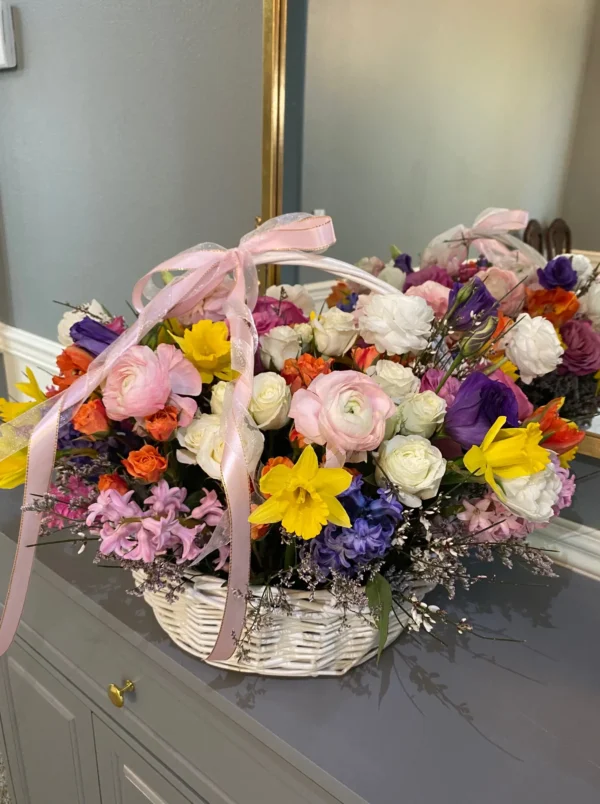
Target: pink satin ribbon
(490,235)
(205,268)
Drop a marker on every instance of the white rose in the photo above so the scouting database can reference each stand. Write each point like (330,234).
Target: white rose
(304,332)
(297,294)
(582,267)
(397,381)
(94,309)
(202,444)
(533,496)
(533,346)
(393,276)
(278,345)
(421,414)
(413,465)
(217,397)
(271,400)
(395,323)
(590,305)
(334,332)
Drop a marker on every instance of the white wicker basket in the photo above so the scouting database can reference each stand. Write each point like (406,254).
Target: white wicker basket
(311,641)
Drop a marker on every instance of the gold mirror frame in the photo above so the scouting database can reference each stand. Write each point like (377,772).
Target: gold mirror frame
(274,55)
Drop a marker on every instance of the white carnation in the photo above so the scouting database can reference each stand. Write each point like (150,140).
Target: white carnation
(421,414)
(94,309)
(590,305)
(397,381)
(271,400)
(217,397)
(297,294)
(395,323)
(582,267)
(413,465)
(533,496)
(334,332)
(278,345)
(533,346)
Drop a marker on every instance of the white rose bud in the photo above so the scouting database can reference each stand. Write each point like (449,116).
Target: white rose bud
(203,444)
(413,465)
(217,397)
(279,345)
(533,496)
(271,400)
(304,332)
(533,346)
(297,294)
(397,381)
(334,332)
(94,309)
(393,276)
(421,414)
(395,323)
(582,267)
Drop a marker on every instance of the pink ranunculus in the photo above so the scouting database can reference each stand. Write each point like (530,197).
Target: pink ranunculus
(524,406)
(142,382)
(269,313)
(505,287)
(433,377)
(435,295)
(344,410)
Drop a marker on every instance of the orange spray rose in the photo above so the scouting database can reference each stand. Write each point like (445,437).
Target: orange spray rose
(162,425)
(114,481)
(91,418)
(146,464)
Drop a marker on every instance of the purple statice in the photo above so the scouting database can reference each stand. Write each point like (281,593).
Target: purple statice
(349,303)
(92,336)
(558,273)
(470,301)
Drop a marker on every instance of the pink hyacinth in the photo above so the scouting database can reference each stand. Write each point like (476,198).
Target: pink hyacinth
(488,520)
(210,509)
(565,496)
(163,499)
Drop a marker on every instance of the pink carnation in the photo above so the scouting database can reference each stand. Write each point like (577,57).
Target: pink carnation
(345,410)
(435,295)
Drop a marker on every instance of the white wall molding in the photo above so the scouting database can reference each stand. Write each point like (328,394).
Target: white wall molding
(320,291)
(21,349)
(571,544)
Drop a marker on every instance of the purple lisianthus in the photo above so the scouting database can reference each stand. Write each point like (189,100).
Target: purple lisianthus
(582,354)
(270,312)
(432,378)
(92,336)
(404,262)
(431,274)
(469,301)
(477,405)
(558,273)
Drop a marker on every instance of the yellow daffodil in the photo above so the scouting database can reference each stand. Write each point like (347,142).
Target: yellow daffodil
(207,346)
(508,453)
(12,470)
(10,410)
(509,369)
(303,497)
(566,458)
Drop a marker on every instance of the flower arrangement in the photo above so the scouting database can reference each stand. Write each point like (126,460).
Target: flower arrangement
(386,438)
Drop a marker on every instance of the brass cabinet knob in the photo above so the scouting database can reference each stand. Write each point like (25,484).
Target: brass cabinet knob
(117,694)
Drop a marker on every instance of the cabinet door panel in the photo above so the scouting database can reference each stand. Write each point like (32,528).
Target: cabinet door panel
(127,778)
(53,746)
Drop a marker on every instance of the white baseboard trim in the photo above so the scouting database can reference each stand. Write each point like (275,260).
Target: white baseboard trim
(571,545)
(21,349)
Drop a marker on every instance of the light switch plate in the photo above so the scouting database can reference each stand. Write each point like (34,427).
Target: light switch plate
(8,55)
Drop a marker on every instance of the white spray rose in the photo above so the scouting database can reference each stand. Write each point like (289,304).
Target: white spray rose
(395,323)
(297,294)
(334,332)
(94,309)
(533,346)
(278,345)
(217,397)
(590,305)
(393,276)
(203,444)
(582,267)
(421,414)
(413,465)
(533,496)
(397,381)
(304,332)
(271,400)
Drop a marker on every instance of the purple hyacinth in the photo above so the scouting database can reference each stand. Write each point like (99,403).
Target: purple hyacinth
(466,302)
(92,336)
(558,273)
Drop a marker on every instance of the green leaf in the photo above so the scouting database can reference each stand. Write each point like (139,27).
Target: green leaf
(379,595)
(395,252)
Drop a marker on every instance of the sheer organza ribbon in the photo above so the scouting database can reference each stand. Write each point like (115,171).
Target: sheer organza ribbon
(490,235)
(205,268)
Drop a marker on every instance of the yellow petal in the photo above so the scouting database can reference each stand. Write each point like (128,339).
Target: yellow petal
(336,512)
(306,467)
(10,410)
(474,461)
(31,388)
(332,481)
(493,432)
(493,483)
(270,511)
(276,480)
(306,520)
(12,470)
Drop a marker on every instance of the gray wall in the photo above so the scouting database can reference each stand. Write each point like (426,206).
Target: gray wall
(421,114)
(582,196)
(130,131)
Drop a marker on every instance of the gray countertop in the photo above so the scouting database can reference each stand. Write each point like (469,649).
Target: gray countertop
(463,720)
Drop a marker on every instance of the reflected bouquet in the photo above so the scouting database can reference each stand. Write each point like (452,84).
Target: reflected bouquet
(350,458)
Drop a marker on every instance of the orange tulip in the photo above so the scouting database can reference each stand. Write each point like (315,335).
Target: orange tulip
(299,373)
(73,362)
(559,435)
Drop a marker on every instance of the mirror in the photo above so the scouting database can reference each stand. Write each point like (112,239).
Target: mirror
(403,119)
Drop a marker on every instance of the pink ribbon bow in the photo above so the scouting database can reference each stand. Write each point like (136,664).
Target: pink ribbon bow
(490,235)
(205,267)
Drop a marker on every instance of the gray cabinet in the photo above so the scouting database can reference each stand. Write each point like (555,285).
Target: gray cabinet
(127,778)
(52,747)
